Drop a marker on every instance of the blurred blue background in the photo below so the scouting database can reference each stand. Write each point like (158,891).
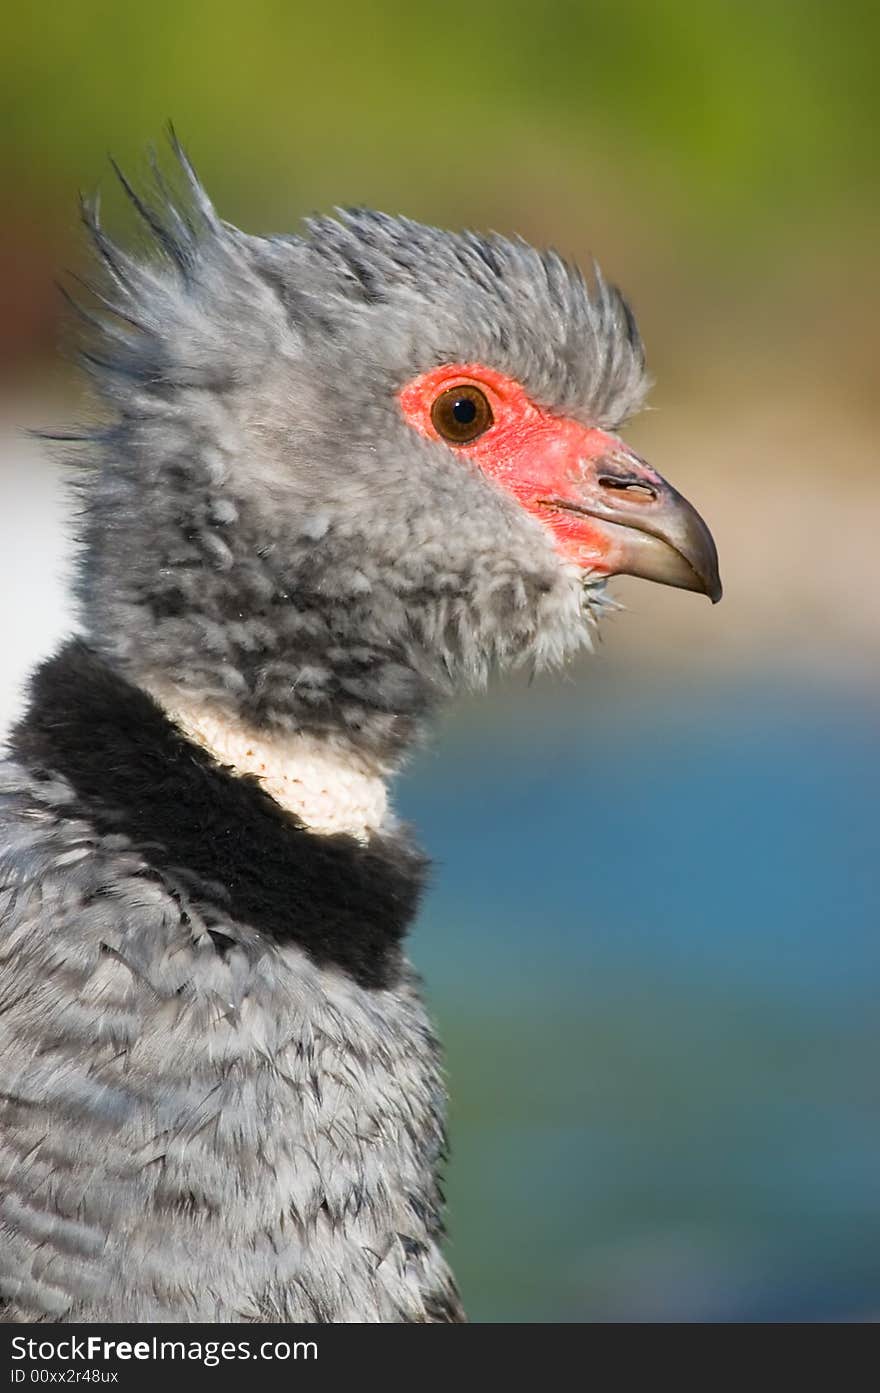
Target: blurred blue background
(652,939)
(653,945)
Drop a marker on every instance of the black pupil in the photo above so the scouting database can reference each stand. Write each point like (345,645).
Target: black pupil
(464,411)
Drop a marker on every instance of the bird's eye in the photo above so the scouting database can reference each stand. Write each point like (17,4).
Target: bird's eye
(460,414)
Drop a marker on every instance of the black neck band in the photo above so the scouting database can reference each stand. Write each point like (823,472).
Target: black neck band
(135,773)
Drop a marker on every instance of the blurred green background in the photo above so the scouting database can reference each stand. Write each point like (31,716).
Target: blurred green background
(652,939)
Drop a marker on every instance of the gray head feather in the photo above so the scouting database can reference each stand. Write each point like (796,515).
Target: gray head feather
(262,527)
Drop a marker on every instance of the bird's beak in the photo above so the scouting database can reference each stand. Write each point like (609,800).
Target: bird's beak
(631,521)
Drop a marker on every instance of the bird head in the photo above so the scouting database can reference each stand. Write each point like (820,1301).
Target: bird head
(348,470)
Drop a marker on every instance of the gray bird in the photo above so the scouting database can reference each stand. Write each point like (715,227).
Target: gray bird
(339,476)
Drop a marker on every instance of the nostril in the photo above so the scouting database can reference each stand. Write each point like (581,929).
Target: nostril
(637,489)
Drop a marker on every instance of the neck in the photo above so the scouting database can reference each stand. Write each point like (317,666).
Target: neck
(122,767)
(328,786)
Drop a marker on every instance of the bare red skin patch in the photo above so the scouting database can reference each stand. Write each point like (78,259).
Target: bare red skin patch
(536,456)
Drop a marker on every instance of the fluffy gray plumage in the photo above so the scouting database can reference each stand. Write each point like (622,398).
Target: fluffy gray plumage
(192,1136)
(258,457)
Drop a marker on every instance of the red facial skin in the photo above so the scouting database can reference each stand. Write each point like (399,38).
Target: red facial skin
(534,455)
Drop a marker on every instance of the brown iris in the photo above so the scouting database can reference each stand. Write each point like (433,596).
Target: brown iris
(460,414)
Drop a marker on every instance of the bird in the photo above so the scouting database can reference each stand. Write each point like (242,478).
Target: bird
(335,477)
